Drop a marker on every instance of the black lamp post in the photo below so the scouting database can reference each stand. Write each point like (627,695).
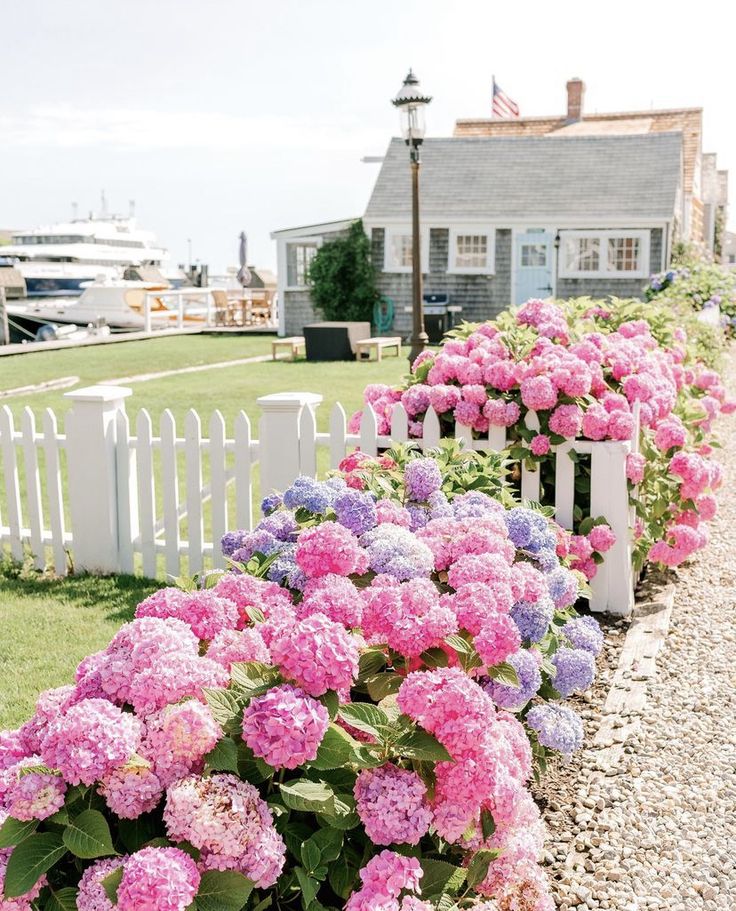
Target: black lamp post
(411,104)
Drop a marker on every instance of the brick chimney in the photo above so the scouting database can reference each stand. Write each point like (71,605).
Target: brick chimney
(575,94)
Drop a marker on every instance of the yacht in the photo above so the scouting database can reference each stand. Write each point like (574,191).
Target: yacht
(61,259)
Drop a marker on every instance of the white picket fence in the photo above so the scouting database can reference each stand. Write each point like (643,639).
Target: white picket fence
(121,495)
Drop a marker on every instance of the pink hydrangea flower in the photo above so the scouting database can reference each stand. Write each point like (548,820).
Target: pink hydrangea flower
(540,444)
(178,737)
(384,878)
(498,640)
(158,879)
(90,740)
(249,592)
(12,748)
(602,538)
(635,465)
(232,646)
(392,805)
(49,706)
(329,548)
(206,612)
(335,597)
(566,420)
(132,789)
(408,617)
(33,795)
(226,819)
(317,654)
(285,726)
(538,393)
(92,895)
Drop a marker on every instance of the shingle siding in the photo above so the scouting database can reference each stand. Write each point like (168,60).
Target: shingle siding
(615,287)
(480,296)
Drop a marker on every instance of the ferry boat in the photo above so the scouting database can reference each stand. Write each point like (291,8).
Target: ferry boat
(61,259)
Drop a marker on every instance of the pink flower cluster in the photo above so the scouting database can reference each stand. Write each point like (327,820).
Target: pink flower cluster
(92,895)
(158,879)
(385,877)
(407,616)
(89,740)
(205,612)
(392,805)
(285,726)
(329,548)
(317,654)
(177,739)
(226,819)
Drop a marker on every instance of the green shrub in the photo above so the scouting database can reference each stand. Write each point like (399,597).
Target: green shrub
(342,280)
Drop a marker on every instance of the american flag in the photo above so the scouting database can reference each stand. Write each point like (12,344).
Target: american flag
(503,106)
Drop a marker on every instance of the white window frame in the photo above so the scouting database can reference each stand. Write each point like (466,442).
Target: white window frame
(603,237)
(461,230)
(395,230)
(298,242)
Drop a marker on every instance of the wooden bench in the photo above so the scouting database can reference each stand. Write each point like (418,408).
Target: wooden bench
(378,344)
(294,343)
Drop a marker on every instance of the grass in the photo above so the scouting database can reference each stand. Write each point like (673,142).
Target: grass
(50,624)
(230,389)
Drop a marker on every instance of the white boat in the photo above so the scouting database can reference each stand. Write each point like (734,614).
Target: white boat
(58,259)
(121,305)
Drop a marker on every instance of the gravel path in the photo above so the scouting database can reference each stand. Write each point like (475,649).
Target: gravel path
(660,833)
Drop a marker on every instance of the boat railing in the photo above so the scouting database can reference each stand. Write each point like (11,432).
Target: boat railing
(176,306)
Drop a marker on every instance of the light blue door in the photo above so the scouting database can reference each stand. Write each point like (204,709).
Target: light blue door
(533,265)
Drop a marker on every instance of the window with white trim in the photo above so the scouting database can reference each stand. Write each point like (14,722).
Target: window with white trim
(398,249)
(601,254)
(298,259)
(471,251)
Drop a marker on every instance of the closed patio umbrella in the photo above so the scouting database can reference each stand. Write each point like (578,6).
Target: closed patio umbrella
(244,276)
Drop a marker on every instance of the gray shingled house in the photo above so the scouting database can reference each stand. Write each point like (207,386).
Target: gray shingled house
(506,219)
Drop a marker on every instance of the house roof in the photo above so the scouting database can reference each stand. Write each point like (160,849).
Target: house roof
(592,179)
(689,121)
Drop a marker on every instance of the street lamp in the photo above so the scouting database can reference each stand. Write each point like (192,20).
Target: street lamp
(411,103)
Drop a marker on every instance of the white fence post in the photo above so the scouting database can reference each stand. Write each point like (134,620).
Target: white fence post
(279,455)
(91,435)
(613,586)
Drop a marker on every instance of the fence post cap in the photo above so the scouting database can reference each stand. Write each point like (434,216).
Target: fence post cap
(99,394)
(288,401)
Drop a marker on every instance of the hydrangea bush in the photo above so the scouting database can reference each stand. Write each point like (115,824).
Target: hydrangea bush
(699,286)
(552,372)
(350,717)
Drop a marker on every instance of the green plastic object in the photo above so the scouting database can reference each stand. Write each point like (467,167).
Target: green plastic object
(383,315)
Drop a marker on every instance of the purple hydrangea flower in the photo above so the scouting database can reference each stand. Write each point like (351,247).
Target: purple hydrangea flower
(547,560)
(514,698)
(533,618)
(575,670)
(316,496)
(418,516)
(474,505)
(562,586)
(584,633)
(439,506)
(423,477)
(270,503)
(557,727)
(258,541)
(394,551)
(355,510)
(519,525)
(231,541)
(282,525)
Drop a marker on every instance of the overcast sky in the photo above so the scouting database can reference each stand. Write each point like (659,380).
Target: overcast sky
(226,115)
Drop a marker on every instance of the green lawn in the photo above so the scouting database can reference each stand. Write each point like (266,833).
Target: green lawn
(230,389)
(49,625)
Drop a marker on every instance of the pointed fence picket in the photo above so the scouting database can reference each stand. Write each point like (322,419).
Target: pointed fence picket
(162,482)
